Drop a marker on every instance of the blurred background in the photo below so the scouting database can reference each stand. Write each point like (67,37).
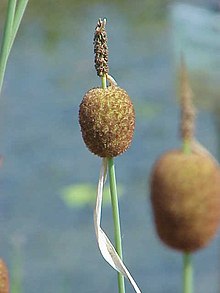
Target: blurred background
(48,178)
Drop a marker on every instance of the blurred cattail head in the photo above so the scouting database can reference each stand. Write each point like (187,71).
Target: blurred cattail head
(185,186)
(185,195)
(4,278)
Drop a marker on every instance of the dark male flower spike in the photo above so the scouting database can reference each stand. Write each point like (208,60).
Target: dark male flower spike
(101,48)
(188,111)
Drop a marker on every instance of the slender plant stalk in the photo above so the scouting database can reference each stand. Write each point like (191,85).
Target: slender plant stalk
(20,9)
(186,147)
(16,283)
(115,210)
(103,78)
(15,12)
(116,218)
(187,273)
(187,257)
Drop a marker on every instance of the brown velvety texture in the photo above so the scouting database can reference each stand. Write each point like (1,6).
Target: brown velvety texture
(4,278)
(185,195)
(107,121)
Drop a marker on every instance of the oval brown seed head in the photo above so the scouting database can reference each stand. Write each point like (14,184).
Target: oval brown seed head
(107,121)
(185,195)
(4,279)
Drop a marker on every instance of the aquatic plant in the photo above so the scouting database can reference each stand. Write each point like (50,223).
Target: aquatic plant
(15,12)
(4,278)
(185,191)
(81,195)
(107,121)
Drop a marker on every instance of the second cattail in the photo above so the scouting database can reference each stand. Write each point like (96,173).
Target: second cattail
(185,188)
(185,194)
(4,278)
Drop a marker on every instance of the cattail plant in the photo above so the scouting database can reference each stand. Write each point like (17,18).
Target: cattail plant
(107,121)
(106,114)
(4,278)
(15,12)
(185,190)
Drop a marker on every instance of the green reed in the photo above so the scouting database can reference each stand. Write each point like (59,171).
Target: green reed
(14,15)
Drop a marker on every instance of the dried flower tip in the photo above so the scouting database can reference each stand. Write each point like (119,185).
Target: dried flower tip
(101,48)
(187,108)
(4,278)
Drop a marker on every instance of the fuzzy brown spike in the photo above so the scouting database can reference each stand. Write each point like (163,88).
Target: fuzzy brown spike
(185,191)
(187,108)
(107,121)
(4,278)
(101,48)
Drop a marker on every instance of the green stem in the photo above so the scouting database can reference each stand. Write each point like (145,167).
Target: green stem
(186,146)
(6,40)
(115,209)
(187,273)
(187,258)
(16,283)
(104,82)
(116,218)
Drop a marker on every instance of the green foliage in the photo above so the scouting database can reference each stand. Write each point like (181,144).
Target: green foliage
(15,12)
(146,110)
(80,195)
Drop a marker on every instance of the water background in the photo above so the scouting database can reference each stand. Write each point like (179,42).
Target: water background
(50,245)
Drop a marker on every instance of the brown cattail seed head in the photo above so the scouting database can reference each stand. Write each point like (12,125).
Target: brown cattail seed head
(185,195)
(4,278)
(107,121)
